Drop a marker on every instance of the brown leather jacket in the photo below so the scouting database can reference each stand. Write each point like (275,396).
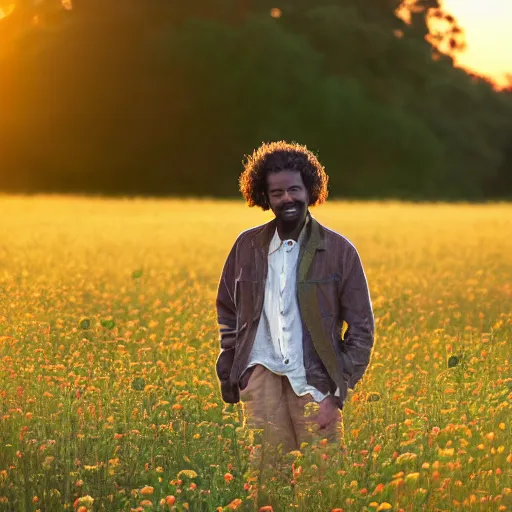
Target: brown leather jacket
(331,288)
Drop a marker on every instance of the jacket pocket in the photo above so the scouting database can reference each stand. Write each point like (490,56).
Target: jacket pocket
(332,329)
(245,287)
(327,293)
(224,364)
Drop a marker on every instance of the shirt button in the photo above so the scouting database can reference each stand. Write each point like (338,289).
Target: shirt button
(286,361)
(290,242)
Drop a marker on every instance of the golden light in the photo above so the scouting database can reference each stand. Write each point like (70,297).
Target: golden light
(276,12)
(67,4)
(6,10)
(489,40)
(486,29)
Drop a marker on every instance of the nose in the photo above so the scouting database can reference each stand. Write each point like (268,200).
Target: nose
(287,198)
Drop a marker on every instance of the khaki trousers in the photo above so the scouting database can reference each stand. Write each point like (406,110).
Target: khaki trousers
(270,405)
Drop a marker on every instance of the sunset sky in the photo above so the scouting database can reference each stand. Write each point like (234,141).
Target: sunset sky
(487,24)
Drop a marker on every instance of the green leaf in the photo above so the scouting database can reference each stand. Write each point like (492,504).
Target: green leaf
(137,274)
(138,384)
(108,324)
(453,361)
(85,323)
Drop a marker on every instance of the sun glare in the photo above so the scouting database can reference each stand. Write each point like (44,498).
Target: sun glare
(487,28)
(6,10)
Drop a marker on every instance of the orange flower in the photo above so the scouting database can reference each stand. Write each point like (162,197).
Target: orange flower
(82,509)
(337,510)
(266,508)
(235,504)
(147,490)
(228,477)
(177,407)
(379,488)
(170,500)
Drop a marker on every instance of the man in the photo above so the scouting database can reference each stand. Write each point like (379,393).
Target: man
(286,289)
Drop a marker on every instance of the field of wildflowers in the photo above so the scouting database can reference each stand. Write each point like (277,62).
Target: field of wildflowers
(108,338)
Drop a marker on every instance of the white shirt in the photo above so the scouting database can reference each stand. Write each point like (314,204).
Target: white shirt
(278,341)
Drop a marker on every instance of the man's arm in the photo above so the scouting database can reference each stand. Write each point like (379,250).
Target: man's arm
(356,310)
(226,318)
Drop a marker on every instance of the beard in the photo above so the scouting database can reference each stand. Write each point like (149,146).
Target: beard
(292,213)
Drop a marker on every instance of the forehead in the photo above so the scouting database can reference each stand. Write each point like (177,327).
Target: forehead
(284,180)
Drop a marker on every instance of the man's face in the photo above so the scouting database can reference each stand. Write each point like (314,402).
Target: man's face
(288,197)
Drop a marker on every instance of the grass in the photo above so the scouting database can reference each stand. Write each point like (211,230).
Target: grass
(108,395)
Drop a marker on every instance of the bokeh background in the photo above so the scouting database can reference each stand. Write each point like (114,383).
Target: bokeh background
(407,100)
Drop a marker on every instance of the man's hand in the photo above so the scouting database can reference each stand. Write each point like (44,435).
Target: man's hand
(328,413)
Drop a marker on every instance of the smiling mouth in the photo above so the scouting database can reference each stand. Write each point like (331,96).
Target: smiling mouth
(290,211)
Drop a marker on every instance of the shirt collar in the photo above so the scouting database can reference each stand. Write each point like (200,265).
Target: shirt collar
(276,241)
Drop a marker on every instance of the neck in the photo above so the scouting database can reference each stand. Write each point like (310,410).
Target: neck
(290,232)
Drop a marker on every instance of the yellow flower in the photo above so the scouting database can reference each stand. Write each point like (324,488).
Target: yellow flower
(147,490)
(86,500)
(447,452)
(189,473)
(384,506)
(405,457)
(412,477)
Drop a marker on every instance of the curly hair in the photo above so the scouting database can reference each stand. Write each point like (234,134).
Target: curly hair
(282,156)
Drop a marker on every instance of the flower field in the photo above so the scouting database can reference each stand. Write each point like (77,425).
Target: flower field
(108,340)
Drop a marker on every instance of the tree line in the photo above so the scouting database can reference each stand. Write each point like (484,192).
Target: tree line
(165,98)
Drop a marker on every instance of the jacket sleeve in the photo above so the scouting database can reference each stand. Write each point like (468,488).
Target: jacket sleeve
(226,318)
(356,310)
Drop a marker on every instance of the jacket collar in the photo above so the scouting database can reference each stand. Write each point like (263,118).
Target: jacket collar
(315,235)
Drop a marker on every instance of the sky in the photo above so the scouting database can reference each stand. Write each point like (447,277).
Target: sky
(487,25)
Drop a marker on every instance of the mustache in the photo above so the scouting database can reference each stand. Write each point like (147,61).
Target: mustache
(297,204)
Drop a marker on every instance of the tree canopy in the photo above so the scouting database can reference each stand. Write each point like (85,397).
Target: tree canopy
(165,97)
